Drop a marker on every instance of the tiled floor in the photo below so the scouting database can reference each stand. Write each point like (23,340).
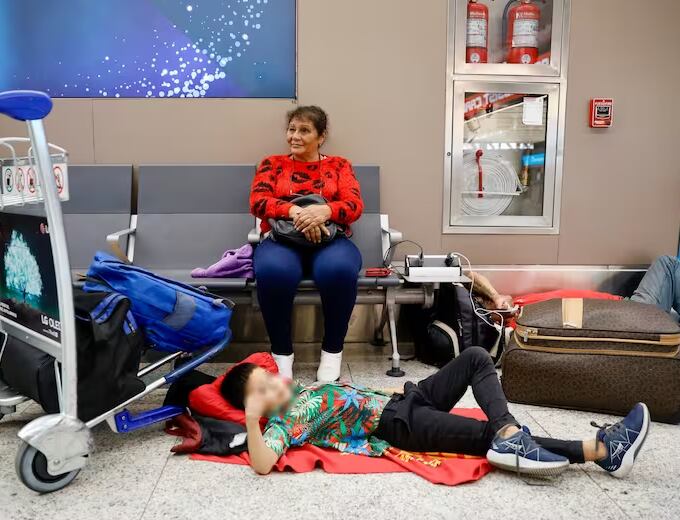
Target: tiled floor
(136,477)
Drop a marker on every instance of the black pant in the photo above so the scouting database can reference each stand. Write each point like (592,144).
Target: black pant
(419,420)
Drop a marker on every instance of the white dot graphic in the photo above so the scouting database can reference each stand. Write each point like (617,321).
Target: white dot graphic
(184,60)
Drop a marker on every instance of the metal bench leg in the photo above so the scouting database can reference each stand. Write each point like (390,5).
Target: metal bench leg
(390,305)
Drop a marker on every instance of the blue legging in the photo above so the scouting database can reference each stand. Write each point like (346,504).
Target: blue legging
(278,271)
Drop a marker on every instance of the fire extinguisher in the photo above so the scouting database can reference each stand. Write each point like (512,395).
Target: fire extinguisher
(521,23)
(477,41)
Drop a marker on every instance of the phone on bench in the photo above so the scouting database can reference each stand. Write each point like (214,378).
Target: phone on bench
(378,272)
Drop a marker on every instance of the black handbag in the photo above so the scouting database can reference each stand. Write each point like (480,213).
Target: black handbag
(283,229)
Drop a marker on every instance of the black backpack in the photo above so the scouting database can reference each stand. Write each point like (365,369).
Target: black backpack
(109,352)
(110,347)
(450,326)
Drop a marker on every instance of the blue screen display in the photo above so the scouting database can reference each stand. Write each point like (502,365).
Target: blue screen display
(149,48)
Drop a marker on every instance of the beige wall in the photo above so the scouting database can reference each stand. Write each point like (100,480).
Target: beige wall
(378,67)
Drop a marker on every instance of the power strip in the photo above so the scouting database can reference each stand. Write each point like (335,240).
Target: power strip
(433,268)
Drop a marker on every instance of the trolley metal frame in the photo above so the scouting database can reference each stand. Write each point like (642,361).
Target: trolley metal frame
(56,447)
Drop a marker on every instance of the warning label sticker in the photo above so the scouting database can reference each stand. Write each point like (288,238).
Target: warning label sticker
(476,32)
(525,33)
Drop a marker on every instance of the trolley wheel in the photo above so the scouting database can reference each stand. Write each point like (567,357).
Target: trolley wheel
(31,468)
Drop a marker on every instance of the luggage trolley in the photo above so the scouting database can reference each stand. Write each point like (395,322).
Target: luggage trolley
(56,447)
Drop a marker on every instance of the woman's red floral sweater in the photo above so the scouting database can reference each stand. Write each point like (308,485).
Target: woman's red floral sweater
(279,179)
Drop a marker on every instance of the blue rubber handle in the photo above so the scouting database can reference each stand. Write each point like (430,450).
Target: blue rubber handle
(198,360)
(25,105)
(127,422)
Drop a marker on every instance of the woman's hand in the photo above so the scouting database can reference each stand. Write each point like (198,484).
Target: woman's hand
(313,216)
(314,234)
(294,211)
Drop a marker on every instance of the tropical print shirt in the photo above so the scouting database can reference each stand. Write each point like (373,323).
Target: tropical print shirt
(337,415)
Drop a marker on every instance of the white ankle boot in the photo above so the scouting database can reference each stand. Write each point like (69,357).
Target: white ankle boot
(330,367)
(285,364)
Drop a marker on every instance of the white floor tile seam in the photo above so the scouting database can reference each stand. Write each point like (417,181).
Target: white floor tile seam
(606,493)
(158,479)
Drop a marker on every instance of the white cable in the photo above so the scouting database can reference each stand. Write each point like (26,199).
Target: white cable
(499,177)
(480,313)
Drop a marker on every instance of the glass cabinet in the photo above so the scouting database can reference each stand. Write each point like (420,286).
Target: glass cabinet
(521,37)
(505,116)
(503,161)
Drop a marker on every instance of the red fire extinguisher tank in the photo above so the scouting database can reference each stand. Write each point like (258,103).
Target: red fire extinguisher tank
(477,42)
(522,32)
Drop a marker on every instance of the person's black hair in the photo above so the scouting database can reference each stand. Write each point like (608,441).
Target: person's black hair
(316,115)
(233,386)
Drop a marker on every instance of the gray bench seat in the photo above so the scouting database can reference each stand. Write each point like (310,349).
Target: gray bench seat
(244,283)
(209,213)
(188,215)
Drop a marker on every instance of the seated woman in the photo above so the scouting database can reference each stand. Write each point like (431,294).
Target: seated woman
(661,285)
(362,421)
(334,266)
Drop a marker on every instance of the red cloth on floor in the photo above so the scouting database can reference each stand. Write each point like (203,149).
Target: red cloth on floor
(439,468)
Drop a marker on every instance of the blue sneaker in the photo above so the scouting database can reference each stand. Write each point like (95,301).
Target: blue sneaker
(623,441)
(521,454)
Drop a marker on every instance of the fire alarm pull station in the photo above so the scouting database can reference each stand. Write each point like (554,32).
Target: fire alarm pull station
(601,112)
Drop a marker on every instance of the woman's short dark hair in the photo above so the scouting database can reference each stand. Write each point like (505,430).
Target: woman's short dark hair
(316,115)
(234,384)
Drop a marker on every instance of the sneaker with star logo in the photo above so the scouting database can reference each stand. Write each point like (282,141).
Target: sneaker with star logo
(623,441)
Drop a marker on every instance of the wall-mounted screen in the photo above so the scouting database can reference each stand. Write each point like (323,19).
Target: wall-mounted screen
(149,48)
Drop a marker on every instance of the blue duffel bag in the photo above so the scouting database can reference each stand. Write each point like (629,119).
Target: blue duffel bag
(174,316)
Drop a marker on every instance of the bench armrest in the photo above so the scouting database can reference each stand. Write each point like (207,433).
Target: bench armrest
(114,242)
(394,235)
(254,236)
(390,237)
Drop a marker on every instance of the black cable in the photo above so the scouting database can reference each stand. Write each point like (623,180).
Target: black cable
(394,246)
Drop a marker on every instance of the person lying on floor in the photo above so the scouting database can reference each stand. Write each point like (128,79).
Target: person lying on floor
(661,285)
(358,420)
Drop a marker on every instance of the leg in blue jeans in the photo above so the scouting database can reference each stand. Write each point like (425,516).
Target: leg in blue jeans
(335,269)
(661,284)
(278,270)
